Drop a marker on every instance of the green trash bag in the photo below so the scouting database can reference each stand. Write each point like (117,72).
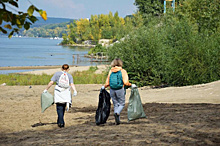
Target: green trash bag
(135,108)
(46,101)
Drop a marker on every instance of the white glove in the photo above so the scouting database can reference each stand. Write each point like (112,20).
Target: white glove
(67,106)
(45,91)
(74,93)
(133,86)
(103,87)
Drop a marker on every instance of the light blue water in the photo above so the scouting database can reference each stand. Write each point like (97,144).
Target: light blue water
(39,52)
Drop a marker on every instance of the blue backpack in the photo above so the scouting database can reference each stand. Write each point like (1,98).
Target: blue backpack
(115,80)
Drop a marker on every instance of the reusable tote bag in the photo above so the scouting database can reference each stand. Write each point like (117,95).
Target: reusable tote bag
(135,108)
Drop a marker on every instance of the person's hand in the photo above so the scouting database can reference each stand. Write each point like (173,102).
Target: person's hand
(67,106)
(103,87)
(74,93)
(133,86)
(45,91)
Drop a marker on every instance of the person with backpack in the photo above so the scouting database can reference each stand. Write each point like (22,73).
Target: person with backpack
(117,79)
(62,92)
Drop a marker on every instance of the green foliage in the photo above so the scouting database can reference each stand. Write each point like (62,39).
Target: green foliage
(150,7)
(169,51)
(89,77)
(14,22)
(50,30)
(140,54)
(205,13)
(65,39)
(180,48)
(96,49)
(93,68)
(104,27)
(18,79)
(84,77)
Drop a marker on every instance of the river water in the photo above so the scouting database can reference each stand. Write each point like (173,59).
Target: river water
(39,52)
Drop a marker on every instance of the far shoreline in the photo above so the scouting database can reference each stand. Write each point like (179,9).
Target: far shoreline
(39,67)
(29,67)
(77,45)
(49,70)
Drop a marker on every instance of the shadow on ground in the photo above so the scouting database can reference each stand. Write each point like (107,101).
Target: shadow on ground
(166,124)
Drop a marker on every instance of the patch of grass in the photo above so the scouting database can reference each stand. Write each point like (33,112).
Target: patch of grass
(27,79)
(84,77)
(89,77)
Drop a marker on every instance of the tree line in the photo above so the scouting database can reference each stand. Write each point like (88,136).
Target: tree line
(101,27)
(50,30)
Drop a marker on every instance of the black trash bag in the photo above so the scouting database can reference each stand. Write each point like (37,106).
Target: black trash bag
(104,107)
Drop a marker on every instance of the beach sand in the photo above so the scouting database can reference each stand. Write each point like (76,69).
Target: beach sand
(39,70)
(187,115)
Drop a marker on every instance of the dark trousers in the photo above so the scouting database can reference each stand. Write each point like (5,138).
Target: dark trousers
(60,112)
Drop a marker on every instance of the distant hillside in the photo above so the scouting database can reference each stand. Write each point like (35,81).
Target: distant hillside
(50,20)
(49,23)
(52,27)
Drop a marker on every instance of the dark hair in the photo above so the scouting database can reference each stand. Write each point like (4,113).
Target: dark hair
(65,67)
(117,62)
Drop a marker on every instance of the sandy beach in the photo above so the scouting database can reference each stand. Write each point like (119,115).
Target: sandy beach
(187,115)
(39,70)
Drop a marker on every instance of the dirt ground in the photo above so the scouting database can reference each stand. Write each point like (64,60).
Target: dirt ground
(175,116)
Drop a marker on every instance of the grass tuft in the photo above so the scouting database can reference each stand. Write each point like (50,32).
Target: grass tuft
(83,77)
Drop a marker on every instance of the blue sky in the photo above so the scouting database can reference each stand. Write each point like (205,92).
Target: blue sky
(76,9)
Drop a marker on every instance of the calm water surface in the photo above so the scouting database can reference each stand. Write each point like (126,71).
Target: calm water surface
(39,52)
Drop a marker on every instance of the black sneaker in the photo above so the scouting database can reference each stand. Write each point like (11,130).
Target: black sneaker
(60,125)
(117,121)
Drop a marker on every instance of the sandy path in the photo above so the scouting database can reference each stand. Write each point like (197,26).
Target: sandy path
(22,122)
(20,105)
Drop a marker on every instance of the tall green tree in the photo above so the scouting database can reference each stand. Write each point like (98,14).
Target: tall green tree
(150,7)
(95,30)
(205,13)
(72,34)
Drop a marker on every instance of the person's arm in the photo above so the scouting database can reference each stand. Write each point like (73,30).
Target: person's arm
(107,80)
(74,89)
(49,85)
(73,86)
(125,78)
(53,79)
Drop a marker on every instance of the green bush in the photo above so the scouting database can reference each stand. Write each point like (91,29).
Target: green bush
(96,49)
(140,54)
(170,51)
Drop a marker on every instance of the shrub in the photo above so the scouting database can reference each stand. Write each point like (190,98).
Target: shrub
(171,52)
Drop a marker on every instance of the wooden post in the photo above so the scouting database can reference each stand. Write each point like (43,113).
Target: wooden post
(73,58)
(101,56)
(78,58)
(91,57)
